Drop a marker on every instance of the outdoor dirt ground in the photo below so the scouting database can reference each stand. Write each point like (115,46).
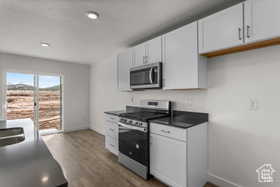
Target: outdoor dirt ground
(20,104)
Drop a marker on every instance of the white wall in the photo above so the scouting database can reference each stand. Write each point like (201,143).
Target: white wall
(240,140)
(76,84)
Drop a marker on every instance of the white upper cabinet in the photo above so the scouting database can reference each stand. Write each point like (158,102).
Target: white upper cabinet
(154,50)
(124,63)
(148,52)
(222,30)
(183,68)
(262,20)
(139,55)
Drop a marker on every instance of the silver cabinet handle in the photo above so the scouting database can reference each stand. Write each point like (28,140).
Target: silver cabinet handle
(112,145)
(165,131)
(239,33)
(112,130)
(145,59)
(248,31)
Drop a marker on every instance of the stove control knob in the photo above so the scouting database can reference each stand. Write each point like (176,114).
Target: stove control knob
(140,124)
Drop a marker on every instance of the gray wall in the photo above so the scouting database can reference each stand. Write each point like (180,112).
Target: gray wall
(76,84)
(240,139)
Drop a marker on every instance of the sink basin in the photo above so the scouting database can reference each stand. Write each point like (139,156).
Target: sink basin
(11,136)
(10,132)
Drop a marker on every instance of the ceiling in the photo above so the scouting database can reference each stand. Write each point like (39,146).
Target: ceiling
(75,38)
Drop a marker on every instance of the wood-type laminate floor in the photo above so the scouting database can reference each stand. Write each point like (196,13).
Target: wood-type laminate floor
(86,162)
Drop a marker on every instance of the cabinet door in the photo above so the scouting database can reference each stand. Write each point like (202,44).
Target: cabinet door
(111,145)
(221,30)
(262,20)
(154,50)
(124,64)
(180,68)
(168,160)
(111,129)
(112,134)
(139,55)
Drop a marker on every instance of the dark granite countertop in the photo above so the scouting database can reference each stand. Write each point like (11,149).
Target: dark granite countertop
(115,113)
(28,163)
(182,119)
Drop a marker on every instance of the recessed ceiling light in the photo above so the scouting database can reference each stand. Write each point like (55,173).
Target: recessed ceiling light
(92,15)
(44,44)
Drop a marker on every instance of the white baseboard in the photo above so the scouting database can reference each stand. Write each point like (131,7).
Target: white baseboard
(97,130)
(76,129)
(221,182)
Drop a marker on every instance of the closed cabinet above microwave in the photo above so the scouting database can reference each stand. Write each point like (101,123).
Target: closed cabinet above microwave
(139,55)
(148,52)
(183,67)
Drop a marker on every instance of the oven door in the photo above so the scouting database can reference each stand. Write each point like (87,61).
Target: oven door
(134,142)
(146,76)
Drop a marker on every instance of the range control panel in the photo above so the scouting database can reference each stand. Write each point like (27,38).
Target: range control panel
(134,122)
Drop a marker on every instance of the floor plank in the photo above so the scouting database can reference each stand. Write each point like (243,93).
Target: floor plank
(86,162)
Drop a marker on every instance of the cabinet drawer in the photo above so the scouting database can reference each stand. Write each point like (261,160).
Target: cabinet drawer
(112,144)
(112,129)
(111,118)
(171,132)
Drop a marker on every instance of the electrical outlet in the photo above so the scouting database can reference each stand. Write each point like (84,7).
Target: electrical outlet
(188,102)
(253,105)
(132,99)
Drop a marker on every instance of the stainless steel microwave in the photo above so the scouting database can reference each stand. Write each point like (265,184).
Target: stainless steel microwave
(146,76)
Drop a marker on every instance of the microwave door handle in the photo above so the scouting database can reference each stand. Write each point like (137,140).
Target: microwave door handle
(151,75)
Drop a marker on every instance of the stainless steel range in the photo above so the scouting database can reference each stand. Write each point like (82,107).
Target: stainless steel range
(134,134)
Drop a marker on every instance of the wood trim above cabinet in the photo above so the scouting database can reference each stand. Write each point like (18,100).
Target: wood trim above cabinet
(246,47)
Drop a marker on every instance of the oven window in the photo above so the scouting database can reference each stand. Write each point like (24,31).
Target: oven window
(140,77)
(134,144)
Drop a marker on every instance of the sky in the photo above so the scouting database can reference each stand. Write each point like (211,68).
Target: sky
(21,78)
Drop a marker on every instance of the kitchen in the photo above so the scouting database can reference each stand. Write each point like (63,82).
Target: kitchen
(221,63)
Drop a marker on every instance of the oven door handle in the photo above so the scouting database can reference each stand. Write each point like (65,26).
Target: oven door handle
(151,75)
(132,127)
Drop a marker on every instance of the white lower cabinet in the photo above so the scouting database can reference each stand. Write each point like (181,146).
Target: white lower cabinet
(167,158)
(112,133)
(176,159)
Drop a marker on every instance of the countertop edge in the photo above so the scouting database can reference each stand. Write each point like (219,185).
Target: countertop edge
(115,113)
(156,121)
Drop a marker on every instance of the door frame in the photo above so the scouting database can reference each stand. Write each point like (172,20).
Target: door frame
(36,84)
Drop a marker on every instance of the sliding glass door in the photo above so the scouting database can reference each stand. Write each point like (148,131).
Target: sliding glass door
(49,102)
(20,96)
(36,97)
